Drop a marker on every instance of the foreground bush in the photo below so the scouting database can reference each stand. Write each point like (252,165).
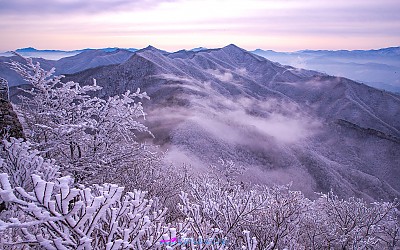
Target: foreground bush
(53,212)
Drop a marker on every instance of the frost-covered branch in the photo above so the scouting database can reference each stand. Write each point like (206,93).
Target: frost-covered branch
(20,161)
(84,133)
(55,215)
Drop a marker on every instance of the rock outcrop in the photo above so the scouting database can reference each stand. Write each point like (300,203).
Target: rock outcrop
(9,123)
(4,89)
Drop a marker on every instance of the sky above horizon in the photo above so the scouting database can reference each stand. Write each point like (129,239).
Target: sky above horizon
(281,25)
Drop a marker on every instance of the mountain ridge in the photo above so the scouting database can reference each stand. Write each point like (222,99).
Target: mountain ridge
(282,123)
(379,68)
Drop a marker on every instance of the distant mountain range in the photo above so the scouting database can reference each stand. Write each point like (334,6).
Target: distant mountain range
(56,54)
(377,68)
(282,123)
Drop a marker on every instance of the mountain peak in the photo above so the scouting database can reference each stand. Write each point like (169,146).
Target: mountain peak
(232,46)
(151,48)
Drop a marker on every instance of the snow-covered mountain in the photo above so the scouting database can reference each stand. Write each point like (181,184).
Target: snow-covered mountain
(377,68)
(282,123)
(91,59)
(85,59)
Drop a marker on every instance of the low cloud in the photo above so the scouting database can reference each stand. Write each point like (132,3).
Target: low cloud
(241,71)
(176,78)
(259,134)
(223,76)
(242,120)
(180,157)
(238,127)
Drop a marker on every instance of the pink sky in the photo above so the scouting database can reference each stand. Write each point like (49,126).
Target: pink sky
(283,25)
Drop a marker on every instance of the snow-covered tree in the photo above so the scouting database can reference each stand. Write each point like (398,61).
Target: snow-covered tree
(20,161)
(279,218)
(84,133)
(343,224)
(221,209)
(278,224)
(55,215)
(216,214)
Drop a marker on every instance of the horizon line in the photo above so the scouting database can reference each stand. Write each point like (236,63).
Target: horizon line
(36,50)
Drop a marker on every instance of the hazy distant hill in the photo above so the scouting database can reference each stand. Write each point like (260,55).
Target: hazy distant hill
(81,61)
(284,124)
(55,54)
(378,68)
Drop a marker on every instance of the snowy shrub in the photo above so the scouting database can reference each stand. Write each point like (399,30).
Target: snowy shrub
(20,161)
(343,224)
(216,213)
(221,209)
(279,218)
(55,215)
(278,224)
(91,137)
(50,212)
(67,121)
